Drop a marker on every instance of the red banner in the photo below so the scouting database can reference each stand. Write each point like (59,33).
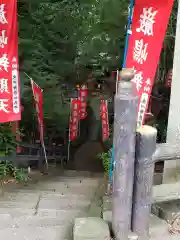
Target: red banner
(169,78)
(104,119)
(149,23)
(38,98)
(9,69)
(74,119)
(82,97)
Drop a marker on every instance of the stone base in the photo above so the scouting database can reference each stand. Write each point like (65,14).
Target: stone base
(91,228)
(94,211)
(159,228)
(167,210)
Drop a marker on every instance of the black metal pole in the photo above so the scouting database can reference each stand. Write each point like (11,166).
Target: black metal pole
(124,153)
(143,180)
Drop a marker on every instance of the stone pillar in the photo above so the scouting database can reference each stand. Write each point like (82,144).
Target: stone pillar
(125,116)
(171,168)
(143,180)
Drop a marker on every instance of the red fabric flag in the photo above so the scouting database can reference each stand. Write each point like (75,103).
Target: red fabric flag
(104,120)
(38,98)
(9,70)
(74,119)
(149,23)
(113,73)
(82,97)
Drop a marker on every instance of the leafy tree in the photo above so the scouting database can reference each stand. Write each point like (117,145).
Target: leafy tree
(58,40)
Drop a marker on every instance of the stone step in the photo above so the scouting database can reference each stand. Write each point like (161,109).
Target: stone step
(63,214)
(18,204)
(74,173)
(63,204)
(166,192)
(9,213)
(90,228)
(35,233)
(18,196)
(28,196)
(47,204)
(31,200)
(83,180)
(69,190)
(157,225)
(16,212)
(168,211)
(59,196)
(43,190)
(70,184)
(160,193)
(159,230)
(39,221)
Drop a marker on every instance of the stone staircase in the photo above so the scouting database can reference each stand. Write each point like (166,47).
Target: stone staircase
(47,209)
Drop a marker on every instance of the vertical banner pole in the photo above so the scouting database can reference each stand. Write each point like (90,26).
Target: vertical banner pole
(79,114)
(45,155)
(112,149)
(69,141)
(39,106)
(111,161)
(128,32)
(79,127)
(117,78)
(110,171)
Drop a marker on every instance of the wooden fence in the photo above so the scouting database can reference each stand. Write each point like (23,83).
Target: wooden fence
(34,153)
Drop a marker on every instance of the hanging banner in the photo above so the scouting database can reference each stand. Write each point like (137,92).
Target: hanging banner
(82,97)
(149,23)
(74,119)
(113,74)
(104,119)
(9,70)
(38,98)
(169,78)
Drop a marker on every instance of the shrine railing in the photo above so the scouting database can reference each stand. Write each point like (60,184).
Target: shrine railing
(34,153)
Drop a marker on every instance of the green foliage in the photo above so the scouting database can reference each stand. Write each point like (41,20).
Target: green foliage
(167,54)
(7,169)
(103,43)
(106,159)
(7,139)
(19,174)
(8,145)
(58,40)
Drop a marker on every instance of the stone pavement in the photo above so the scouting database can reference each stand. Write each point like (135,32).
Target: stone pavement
(47,209)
